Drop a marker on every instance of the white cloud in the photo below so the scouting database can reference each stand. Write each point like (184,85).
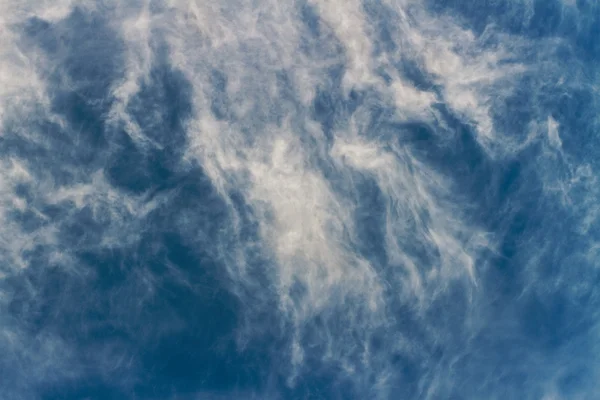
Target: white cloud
(297,180)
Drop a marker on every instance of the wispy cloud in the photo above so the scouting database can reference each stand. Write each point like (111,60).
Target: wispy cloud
(357,180)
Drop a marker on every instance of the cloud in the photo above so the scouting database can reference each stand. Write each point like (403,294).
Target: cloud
(358,181)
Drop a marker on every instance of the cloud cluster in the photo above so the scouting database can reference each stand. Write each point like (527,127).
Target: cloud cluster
(369,187)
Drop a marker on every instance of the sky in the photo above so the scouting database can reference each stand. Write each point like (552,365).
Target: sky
(311,199)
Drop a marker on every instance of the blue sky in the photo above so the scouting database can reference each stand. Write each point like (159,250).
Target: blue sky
(299,199)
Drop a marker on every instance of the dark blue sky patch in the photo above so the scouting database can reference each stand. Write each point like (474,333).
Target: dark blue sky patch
(141,169)
(92,388)
(381,18)
(138,167)
(539,19)
(163,106)
(370,217)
